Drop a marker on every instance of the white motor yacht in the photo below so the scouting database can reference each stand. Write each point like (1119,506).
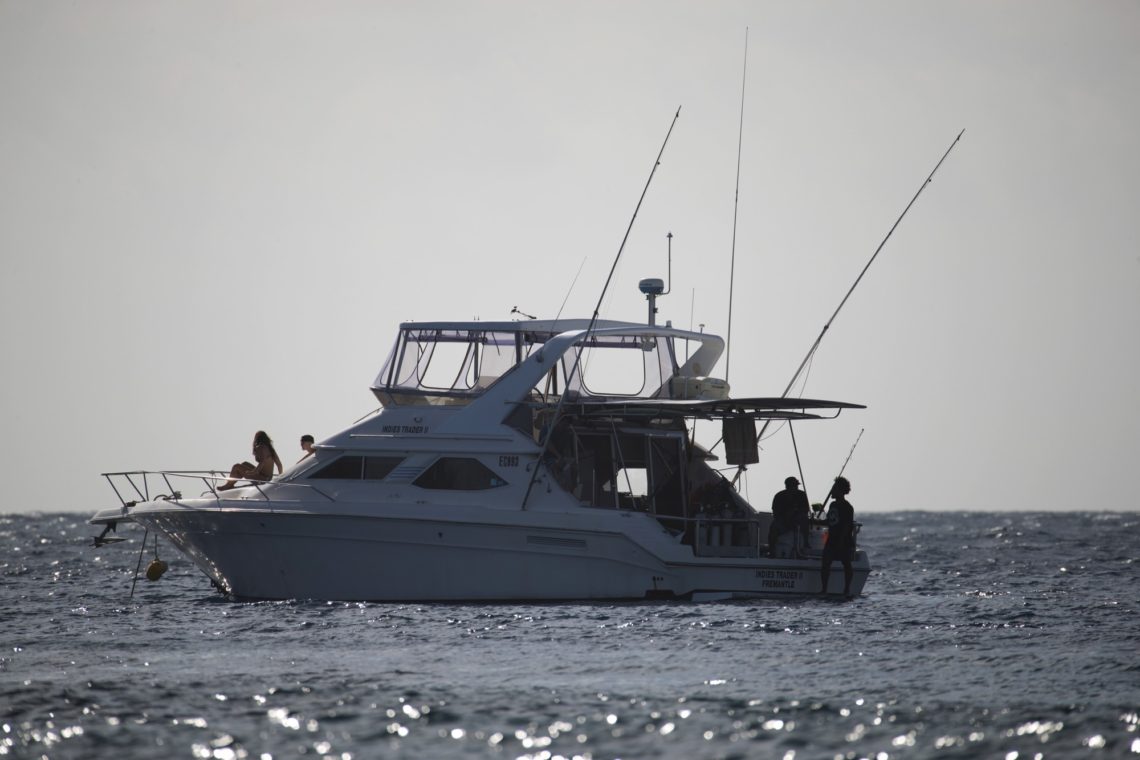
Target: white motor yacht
(520,460)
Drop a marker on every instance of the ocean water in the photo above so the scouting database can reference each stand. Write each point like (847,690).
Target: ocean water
(997,635)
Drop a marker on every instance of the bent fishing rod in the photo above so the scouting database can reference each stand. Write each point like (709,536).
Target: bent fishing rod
(594,319)
(826,327)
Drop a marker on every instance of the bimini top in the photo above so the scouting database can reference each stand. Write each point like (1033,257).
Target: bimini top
(782,408)
(451,363)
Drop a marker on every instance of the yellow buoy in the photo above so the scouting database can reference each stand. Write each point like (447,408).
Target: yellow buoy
(155,569)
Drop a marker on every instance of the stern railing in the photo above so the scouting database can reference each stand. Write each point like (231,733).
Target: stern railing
(717,536)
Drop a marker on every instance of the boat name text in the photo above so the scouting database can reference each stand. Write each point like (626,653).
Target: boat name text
(779,578)
(413,429)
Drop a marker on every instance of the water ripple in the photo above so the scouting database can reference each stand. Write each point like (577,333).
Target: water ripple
(971,641)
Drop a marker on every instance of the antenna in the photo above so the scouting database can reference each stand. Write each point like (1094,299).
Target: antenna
(653,287)
(570,290)
(735,206)
(516,310)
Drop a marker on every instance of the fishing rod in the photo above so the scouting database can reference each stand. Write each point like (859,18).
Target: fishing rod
(841,469)
(735,207)
(617,258)
(818,340)
(597,310)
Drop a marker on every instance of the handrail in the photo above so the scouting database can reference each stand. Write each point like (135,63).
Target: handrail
(701,542)
(208,477)
(144,493)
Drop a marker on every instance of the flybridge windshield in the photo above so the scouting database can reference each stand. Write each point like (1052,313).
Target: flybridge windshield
(453,360)
(451,365)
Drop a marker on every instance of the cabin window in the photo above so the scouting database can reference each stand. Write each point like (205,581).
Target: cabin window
(377,468)
(631,484)
(614,371)
(357,467)
(448,366)
(344,468)
(459,474)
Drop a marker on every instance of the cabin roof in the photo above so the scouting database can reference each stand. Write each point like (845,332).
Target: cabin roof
(754,408)
(553,327)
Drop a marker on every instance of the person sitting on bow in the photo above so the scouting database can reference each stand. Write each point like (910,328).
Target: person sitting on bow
(265,456)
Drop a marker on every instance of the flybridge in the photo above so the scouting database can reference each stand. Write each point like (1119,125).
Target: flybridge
(451,363)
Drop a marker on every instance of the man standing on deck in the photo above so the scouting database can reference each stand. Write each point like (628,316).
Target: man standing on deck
(789,515)
(840,536)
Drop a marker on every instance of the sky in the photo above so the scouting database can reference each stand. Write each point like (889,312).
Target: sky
(214,216)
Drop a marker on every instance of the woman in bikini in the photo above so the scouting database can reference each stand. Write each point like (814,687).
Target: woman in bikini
(265,456)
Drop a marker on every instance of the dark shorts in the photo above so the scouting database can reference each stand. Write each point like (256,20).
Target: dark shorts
(838,550)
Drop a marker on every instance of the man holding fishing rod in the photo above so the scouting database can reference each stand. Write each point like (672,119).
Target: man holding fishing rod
(840,536)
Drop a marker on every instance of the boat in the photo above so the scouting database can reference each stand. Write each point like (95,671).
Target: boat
(516,460)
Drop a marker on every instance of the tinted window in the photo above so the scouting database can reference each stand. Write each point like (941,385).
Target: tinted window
(455,474)
(377,468)
(345,468)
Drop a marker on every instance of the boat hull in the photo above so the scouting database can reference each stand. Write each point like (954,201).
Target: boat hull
(488,555)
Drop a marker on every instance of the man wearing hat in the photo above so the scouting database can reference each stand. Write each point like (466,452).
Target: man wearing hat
(789,517)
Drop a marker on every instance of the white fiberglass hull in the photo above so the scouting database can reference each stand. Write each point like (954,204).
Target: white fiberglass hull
(476,555)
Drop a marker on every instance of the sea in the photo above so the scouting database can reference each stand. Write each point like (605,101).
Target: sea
(979,635)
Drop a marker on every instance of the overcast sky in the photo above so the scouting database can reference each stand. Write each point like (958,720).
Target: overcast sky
(214,215)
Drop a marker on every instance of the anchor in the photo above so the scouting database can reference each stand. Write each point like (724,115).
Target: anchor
(102,539)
